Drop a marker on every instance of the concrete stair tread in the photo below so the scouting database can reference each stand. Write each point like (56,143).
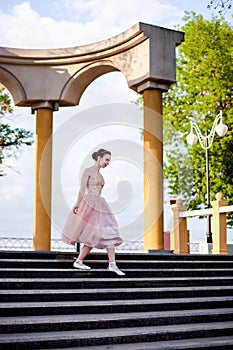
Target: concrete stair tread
(126,279)
(101,270)
(112,333)
(26,320)
(49,304)
(182,344)
(57,255)
(154,261)
(113,279)
(104,273)
(112,290)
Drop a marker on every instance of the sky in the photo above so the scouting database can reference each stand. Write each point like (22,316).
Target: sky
(68,23)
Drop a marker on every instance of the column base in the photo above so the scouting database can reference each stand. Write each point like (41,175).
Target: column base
(223,251)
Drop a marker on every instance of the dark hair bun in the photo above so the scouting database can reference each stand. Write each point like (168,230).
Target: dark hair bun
(94,155)
(101,152)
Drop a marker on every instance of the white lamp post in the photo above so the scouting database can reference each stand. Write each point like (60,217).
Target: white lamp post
(206,142)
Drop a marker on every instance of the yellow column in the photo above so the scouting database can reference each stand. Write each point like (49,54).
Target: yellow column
(153,170)
(43,173)
(219,226)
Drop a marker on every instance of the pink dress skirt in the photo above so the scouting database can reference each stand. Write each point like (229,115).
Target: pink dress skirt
(93,224)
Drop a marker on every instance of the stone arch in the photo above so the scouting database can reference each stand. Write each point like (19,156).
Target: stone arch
(77,84)
(13,85)
(48,79)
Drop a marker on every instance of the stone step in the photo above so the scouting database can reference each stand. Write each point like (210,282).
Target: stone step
(114,282)
(100,264)
(24,295)
(218,343)
(104,273)
(112,306)
(25,324)
(160,255)
(112,336)
(164,298)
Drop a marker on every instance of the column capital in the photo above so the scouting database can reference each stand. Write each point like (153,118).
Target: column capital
(53,105)
(153,85)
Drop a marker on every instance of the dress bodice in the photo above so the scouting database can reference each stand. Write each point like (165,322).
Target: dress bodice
(95,185)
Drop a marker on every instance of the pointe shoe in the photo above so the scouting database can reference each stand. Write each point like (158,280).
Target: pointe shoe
(80,265)
(116,270)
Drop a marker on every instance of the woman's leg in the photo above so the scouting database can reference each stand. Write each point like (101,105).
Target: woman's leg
(111,254)
(79,261)
(84,251)
(112,261)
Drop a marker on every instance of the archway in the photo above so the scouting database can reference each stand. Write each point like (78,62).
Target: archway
(48,79)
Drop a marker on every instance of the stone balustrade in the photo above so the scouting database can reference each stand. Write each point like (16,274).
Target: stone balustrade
(180,234)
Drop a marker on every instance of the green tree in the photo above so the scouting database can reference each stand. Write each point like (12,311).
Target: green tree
(204,87)
(10,139)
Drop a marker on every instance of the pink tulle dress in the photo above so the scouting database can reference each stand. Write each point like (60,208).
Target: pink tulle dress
(93,224)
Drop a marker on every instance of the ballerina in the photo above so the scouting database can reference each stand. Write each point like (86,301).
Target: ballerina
(91,221)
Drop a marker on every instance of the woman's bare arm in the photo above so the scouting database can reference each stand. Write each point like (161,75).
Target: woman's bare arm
(82,189)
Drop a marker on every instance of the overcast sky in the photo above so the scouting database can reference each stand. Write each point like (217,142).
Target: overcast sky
(67,23)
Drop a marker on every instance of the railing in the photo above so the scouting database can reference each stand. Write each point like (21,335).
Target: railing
(181,234)
(205,212)
(24,244)
(10,243)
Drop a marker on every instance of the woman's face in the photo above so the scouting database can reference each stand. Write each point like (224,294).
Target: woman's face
(105,160)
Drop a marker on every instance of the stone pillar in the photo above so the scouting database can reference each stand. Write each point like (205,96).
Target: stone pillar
(43,174)
(219,226)
(153,170)
(179,234)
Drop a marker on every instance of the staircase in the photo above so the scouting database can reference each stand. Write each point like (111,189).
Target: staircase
(164,302)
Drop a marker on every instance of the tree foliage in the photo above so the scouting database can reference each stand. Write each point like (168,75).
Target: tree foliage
(204,87)
(10,139)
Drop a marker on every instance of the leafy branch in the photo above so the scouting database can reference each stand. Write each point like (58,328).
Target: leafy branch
(222,5)
(10,139)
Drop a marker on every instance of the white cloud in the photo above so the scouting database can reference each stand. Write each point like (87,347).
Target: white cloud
(25,28)
(89,21)
(109,14)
